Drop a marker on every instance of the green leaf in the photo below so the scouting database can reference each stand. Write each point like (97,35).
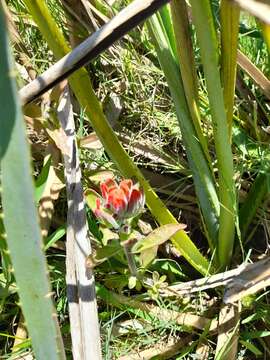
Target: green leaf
(157,237)
(83,90)
(21,218)
(229,19)
(251,347)
(209,48)
(91,197)
(186,58)
(42,179)
(248,335)
(169,267)
(147,256)
(109,250)
(116,281)
(55,236)
(256,196)
(202,175)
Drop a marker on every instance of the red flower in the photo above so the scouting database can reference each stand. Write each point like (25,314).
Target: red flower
(123,201)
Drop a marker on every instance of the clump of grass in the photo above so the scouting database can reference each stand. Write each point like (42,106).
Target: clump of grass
(131,71)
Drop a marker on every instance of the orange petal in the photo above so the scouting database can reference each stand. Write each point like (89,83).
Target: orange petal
(117,200)
(126,186)
(107,186)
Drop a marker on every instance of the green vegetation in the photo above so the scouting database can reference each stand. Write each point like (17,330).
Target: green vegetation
(175,107)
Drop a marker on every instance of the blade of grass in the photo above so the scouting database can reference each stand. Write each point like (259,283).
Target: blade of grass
(82,87)
(203,180)
(204,24)
(256,195)
(166,20)
(266,34)
(41,180)
(229,23)
(186,60)
(21,220)
(150,312)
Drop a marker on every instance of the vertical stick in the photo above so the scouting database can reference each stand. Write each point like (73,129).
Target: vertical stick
(80,283)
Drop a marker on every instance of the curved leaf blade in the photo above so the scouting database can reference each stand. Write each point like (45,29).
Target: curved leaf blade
(157,237)
(20,217)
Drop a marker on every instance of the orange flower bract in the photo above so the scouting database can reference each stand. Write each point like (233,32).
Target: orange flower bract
(123,200)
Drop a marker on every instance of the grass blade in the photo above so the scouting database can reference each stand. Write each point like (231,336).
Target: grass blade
(202,176)
(229,19)
(186,60)
(256,195)
(204,24)
(21,220)
(82,87)
(266,33)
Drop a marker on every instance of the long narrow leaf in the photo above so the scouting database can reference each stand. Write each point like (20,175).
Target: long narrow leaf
(204,24)
(229,19)
(256,195)
(82,87)
(21,220)
(202,175)
(187,67)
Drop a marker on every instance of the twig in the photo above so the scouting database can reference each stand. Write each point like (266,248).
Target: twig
(80,282)
(228,332)
(210,282)
(166,315)
(127,19)
(161,350)
(258,8)
(256,74)
(242,281)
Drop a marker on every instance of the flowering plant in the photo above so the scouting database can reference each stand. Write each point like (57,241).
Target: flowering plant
(115,208)
(119,202)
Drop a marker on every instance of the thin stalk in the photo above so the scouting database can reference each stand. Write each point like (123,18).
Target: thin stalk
(82,87)
(204,24)
(202,176)
(229,19)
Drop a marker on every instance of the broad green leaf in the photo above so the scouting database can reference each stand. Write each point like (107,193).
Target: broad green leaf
(21,219)
(157,237)
(109,250)
(148,255)
(116,281)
